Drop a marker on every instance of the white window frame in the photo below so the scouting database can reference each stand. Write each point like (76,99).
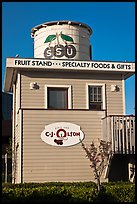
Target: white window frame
(59,86)
(17,98)
(103,94)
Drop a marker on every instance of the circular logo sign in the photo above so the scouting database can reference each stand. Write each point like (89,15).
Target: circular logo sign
(59,50)
(62,134)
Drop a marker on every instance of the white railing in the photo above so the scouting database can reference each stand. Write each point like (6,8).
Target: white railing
(120,131)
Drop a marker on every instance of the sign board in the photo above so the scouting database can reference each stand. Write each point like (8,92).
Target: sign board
(62,134)
(67,64)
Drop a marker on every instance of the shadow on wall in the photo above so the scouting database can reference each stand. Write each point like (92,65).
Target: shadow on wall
(119,167)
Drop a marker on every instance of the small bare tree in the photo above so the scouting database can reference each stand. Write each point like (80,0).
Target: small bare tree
(99,158)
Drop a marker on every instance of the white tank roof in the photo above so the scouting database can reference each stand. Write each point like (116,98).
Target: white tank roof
(34,29)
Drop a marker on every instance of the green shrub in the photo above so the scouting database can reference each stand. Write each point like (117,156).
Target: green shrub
(122,191)
(68,192)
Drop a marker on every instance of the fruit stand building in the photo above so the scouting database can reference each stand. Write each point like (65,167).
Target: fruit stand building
(62,96)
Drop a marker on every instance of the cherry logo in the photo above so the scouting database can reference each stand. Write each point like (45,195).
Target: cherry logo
(58,142)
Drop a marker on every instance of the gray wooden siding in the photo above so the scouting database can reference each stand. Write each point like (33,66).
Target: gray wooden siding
(36,98)
(43,162)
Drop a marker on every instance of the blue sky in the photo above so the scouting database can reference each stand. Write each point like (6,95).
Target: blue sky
(113,25)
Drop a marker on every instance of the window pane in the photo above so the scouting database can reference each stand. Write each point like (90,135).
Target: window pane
(99,90)
(99,97)
(95,97)
(91,90)
(57,98)
(91,98)
(95,90)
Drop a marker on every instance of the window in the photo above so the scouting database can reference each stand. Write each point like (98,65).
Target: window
(58,97)
(96,96)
